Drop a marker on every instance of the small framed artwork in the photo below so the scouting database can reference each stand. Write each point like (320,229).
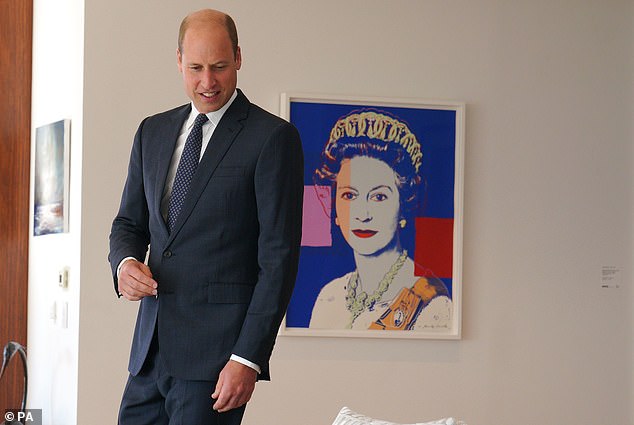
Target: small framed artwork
(381,251)
(52,177)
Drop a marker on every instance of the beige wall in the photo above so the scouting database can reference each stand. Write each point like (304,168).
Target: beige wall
(53,342)
(549,89)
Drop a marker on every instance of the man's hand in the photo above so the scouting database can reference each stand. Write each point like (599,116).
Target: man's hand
(235,386)
(135,281)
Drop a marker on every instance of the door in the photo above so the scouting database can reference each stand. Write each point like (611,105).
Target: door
(16,28)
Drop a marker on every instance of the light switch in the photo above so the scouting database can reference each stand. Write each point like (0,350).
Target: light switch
(62,280)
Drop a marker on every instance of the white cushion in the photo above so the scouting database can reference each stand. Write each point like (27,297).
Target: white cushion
(349,417)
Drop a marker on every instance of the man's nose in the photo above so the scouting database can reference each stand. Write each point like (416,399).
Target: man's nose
(207,79)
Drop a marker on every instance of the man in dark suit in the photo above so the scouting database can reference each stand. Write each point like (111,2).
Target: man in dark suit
(223,233)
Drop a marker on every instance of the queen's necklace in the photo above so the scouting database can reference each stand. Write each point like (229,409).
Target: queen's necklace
(356,303)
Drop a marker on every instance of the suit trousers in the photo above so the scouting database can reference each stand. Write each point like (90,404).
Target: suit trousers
(153,397)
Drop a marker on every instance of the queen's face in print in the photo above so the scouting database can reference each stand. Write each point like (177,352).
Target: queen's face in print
(367,205)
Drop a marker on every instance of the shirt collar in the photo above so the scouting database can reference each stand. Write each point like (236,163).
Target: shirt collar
(214,116)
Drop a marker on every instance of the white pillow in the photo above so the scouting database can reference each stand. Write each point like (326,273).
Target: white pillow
(349,417)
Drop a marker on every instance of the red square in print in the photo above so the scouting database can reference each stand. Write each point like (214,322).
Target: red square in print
(434,247)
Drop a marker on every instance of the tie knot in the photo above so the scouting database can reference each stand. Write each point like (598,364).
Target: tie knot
(200,120)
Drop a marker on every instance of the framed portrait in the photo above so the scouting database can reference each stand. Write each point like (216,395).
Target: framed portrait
(52,177)
(381,252)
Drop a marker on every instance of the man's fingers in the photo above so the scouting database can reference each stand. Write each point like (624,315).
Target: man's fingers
(219,395)
(129,296)
(226,403)
(129,291)
(135,281)
(216,392)
(139,272)
(133,287)
(235,386)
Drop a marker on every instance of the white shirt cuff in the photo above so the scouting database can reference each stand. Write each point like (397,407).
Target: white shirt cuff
(246,363)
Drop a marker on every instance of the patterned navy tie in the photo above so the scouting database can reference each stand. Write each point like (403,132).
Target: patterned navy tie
(185,171)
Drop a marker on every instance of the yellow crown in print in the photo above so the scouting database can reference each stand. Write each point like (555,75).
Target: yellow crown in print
(377,126)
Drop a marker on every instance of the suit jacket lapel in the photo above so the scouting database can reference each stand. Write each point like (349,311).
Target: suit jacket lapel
(171,131)
(221,140)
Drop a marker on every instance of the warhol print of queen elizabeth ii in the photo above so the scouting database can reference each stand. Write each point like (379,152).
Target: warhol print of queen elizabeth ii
(371,168)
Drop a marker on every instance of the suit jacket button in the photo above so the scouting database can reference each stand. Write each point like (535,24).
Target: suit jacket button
(167,254)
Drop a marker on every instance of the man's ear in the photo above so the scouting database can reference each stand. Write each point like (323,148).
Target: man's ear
(238,58)
(179,60)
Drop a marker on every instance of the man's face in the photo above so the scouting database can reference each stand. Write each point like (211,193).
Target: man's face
(208,65)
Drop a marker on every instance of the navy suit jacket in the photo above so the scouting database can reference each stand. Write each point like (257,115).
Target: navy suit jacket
(226,272)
